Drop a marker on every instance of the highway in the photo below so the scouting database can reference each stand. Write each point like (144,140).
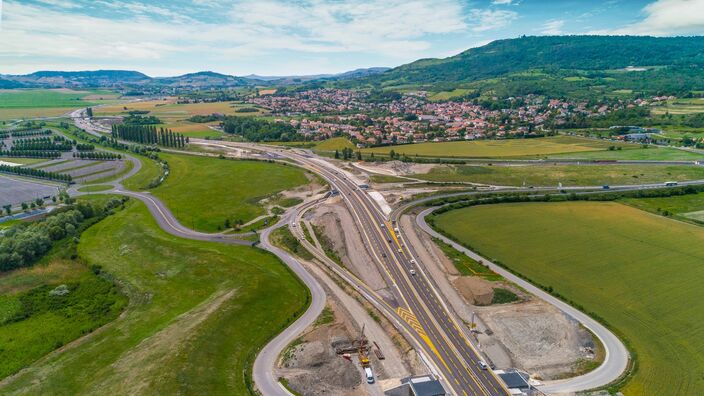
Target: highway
(436,328)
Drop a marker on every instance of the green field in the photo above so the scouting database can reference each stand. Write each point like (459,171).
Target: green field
(568,175)
(682,207)
(681,106)
(203,192)
(332,144)
(149,172)
(652,153)
(96,188)
(198,313)
(640,272)
(30,103)
(538,147)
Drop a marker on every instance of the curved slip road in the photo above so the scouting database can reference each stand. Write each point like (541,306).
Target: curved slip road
(616,355)
(263,371)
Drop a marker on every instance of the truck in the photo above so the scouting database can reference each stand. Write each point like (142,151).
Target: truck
(370,375)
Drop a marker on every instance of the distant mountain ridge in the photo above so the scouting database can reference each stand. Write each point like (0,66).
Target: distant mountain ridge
(119,78)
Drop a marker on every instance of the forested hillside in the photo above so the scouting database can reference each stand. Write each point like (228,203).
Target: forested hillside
(553,53)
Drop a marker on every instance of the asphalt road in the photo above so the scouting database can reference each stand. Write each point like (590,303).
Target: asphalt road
(263,371)
(436,329)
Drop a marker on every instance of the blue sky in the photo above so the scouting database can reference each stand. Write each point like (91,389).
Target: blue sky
(279,37)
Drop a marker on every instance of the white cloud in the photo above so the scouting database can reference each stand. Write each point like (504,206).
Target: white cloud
(669,17)
(503,2)
(553,27)
(138,31)
(482,20)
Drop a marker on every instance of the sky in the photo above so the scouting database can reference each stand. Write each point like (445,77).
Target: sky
(300,37)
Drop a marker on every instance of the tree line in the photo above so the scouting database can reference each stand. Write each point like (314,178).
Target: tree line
(29,153)
(147,134)
(257,130)
(96,155)
(36,173)
(22,245)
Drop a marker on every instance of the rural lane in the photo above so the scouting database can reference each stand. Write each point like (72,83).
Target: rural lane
(616,355)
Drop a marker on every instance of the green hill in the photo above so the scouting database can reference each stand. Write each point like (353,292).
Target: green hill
(561,65)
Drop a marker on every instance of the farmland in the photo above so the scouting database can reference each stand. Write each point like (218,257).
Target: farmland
(30,103)
(174,115)
(203,192)
(537,147)
(681,207)
(639,272)
(568,175)
(637,153)
(198,312)
(681,106)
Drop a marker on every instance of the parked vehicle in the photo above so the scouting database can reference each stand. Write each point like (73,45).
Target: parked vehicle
(370,375)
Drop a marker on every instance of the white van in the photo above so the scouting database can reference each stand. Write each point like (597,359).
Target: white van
(369,374)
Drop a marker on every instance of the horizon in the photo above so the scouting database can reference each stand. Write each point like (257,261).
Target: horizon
(284,38)
(268,76)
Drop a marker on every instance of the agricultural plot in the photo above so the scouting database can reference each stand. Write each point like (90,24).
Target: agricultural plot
(174,115)
(635,153)
(512,148)
(682,207)
(203,192)
(31,103)
(568,175)
(15,191)
(639,272)
(194,322)
(681,106)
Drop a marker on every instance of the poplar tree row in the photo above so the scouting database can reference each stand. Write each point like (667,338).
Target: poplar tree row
(148,134)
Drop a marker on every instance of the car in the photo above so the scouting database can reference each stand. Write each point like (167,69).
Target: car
(412,271)
(483,365)
(413,261)
(400,251)
(383,225)
(389,240)
(383,255)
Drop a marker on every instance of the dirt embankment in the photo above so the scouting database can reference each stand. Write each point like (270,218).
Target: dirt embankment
(340,229)
(530,334)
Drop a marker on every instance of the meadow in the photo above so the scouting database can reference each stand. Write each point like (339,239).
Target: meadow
(637,271)
(536,147)
(203,192)
(568,175)
(198,313)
